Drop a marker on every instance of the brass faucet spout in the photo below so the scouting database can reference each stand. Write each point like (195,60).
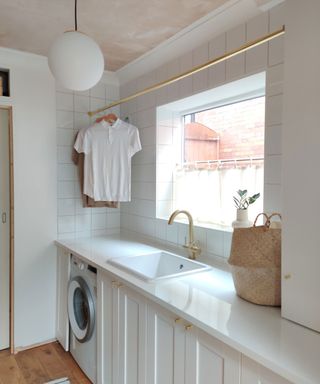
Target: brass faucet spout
(178,212)
(192,246)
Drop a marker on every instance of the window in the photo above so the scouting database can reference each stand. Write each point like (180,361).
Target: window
(216,149)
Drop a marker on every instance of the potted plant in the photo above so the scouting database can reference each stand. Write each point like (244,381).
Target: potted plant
(242,202)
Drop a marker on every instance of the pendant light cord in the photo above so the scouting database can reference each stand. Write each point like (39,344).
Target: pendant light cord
(75,15)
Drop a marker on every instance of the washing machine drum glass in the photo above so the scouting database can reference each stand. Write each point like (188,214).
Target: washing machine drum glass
(81,309)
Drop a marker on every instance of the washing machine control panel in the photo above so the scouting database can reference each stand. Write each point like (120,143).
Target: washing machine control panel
(82,265)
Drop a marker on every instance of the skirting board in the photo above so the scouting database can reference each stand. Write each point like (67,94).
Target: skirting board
(20,349)
(64,380)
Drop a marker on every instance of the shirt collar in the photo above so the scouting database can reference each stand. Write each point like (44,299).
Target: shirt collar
(105,124)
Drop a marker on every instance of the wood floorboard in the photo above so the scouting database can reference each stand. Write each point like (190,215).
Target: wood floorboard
(50,361)
(39,365)
(75,374)
(30,367)
(10,372)
(4,353)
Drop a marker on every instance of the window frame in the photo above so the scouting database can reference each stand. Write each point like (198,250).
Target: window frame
(241,89)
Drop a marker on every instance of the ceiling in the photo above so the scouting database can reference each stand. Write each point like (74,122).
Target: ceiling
(124,29)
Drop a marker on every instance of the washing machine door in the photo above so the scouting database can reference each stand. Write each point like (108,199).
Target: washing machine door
(81,309)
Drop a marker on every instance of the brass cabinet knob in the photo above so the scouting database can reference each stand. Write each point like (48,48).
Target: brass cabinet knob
(178,320)
(116,284)
(188,327)
(287,276)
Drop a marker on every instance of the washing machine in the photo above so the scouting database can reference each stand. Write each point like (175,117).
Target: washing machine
(82,316)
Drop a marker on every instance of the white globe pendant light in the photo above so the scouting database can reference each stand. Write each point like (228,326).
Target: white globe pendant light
(76,60)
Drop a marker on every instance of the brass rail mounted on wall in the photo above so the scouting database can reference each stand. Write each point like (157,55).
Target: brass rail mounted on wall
(196,69)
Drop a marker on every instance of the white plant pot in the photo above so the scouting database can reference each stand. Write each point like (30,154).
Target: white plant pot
(242,219)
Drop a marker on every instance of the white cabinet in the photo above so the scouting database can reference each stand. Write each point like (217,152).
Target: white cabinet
(107,334)
(300,234)
(140,342)
(62,321)
(132,337)
(179,353)
(209,361)
(165,347)
(254,373)
(121,330)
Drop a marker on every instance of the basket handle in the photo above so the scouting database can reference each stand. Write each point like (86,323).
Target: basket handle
(271,216)
(266,217)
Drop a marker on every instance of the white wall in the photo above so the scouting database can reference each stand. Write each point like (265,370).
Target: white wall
(4,230)
(73,220)
(35,204)
(140,214)
(301,182)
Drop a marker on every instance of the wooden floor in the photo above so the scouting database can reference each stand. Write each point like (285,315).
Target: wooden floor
(39,365)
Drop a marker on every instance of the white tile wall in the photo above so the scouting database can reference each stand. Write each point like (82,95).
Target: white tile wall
(274,110)
(161,229)
(147,155)
(65,119)
(217,73)
(185,85)
(147,136)
(81,103)
(173,90)
(139,216)
(215,242)
(275,80)
(258,57)
(272,169)
(65,101)
(66,207)
(273,140)
(200,56)
(143,190)
(74,221)
(235,67)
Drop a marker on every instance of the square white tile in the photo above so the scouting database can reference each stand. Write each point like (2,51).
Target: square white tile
(65,119)
(81,103)
(65,101)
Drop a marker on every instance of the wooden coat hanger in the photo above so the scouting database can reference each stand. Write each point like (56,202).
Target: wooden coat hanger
(110,118)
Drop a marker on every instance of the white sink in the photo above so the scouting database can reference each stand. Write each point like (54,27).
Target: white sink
(158,266)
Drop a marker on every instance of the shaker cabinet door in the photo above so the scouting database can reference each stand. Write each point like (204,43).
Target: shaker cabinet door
(165,347)
(254,373)
(132,337)
(106,329)
(209,361)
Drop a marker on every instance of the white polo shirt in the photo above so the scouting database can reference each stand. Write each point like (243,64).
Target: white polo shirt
(107,166)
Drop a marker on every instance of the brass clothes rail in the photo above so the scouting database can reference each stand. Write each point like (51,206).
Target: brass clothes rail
(196,69)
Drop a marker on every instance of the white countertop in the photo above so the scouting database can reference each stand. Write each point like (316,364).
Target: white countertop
(208,301)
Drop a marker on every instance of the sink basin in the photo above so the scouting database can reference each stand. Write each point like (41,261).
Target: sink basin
(159,265)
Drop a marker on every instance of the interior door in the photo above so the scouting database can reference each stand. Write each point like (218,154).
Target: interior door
(4,228)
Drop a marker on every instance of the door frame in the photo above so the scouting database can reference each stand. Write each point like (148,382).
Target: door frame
(11,215)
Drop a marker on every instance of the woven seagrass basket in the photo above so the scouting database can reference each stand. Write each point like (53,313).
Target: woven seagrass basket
(255,262)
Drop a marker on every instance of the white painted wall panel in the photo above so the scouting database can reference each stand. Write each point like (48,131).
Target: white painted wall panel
(35,195)
(301,183)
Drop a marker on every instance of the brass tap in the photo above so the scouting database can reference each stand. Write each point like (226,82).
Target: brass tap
(193,246)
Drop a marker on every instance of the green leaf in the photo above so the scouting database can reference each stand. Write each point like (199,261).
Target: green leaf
(236,202)
(242,193)
(253,198)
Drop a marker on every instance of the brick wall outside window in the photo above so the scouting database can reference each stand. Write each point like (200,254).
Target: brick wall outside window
(240,127)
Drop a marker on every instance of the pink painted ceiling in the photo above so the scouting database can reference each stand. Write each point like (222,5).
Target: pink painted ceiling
(124,29)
